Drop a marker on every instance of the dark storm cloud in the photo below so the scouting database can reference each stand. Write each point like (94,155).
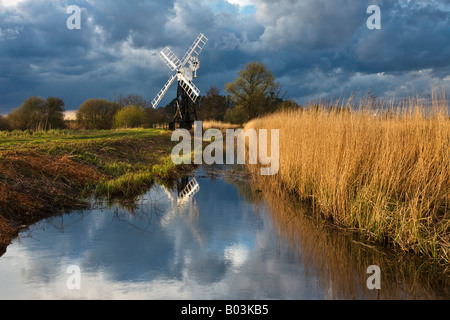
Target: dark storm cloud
(327,49)
(141,21)
(414,37)
(316,48)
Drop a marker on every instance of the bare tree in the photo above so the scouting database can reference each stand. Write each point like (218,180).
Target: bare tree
(36,113)
(97,114)
(254,90)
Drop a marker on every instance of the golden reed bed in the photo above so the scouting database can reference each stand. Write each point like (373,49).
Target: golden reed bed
(385,174)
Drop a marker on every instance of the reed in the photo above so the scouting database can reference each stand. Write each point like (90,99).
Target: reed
(384,173)
(339,261)
(209,124)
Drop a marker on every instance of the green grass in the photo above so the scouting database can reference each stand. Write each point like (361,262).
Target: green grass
(165,169)
(131,160)
(127,185)
(28,139)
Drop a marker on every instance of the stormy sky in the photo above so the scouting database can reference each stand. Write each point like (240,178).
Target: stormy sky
(315,48)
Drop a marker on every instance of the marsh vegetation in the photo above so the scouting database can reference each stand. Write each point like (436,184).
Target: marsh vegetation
(383,173)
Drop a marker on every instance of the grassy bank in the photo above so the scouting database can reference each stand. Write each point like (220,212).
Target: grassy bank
(46,173)
(385,175)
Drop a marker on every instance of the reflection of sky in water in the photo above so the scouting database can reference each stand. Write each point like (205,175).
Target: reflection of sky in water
(217,247)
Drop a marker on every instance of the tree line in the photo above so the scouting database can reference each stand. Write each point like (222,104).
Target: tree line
(252,94)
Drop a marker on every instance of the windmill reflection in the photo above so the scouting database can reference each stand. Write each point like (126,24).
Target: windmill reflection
(186,190)
(184,205)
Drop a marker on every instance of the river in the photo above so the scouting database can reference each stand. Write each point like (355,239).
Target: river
(224,240)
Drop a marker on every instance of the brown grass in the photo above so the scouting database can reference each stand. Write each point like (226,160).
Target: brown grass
(33,186)
(386,175)
(212,124)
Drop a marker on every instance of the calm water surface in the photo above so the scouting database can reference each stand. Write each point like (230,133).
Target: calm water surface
(223,243)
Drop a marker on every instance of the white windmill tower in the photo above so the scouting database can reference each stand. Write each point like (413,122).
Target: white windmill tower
(186,71)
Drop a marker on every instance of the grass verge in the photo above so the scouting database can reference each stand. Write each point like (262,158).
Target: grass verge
(43,174)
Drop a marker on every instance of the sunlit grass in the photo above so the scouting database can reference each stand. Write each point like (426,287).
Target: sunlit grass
(19,138)
(212,124)
(126,185)
(129,159)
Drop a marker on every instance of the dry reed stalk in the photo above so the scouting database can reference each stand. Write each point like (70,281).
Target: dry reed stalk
(212,124)
(386,174)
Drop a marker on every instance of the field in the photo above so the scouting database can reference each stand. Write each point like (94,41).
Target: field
(384,175)
(45,173)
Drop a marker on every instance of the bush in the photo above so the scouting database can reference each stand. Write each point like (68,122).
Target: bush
(129,117)
(97,114)
(213,105)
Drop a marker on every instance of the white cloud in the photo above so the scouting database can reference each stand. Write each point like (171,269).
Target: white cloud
(309,24)
(11,3)
(242,3)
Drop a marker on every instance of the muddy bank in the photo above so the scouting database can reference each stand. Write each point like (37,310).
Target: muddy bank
(34,186)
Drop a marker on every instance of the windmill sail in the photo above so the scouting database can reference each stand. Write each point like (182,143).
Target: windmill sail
(170,59)
(195,49)
(192,91)
(188,192)
(163,91)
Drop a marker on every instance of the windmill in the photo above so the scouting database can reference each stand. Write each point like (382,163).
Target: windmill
(185,72)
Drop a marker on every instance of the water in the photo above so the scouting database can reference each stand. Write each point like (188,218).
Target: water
(225,243)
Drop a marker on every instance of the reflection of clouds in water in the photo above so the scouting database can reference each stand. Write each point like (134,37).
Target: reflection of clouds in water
(217,247)
(236,255)
(204,276)
(214,248)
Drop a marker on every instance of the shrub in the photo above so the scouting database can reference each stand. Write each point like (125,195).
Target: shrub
(129,117)
(97,114)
